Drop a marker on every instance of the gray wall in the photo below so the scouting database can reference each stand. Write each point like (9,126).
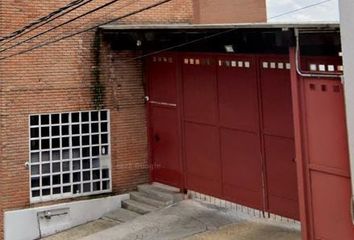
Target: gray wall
(347,23)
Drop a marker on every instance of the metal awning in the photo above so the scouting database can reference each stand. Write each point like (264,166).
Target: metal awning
(310,25)
(244,37)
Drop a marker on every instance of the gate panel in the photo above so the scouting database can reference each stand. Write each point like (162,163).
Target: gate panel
(325,117)
(331,200)
(203,159)
(162,79)
(281,177)
(327,159)
(199,90)
(164,135)
(278,133)
(237,91)
(239,130)
(165,142)
(201,135)
(276,96)
(242,171)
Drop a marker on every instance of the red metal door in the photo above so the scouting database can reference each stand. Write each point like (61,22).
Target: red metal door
(327,162)
(163,120)
(238,126)
(239,130)
(201,133)
(322,150)
(278,136)
(237,139)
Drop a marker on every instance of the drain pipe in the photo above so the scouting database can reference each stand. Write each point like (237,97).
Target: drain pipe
(298,67)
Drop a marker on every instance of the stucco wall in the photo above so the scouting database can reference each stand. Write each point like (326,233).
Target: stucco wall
(347,22)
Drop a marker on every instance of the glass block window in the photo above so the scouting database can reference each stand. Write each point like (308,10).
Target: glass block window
(69,155)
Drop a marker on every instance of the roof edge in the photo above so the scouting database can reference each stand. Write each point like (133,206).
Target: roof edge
(178,26)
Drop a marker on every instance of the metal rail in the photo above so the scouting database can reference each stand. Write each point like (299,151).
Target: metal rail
(297,62)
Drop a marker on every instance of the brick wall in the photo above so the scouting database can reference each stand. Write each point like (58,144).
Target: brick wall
(230,11)
(58,78)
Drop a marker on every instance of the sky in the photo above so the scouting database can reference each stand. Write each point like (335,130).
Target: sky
(324,12)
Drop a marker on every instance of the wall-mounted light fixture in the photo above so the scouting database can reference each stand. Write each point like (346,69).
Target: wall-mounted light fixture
(229,48)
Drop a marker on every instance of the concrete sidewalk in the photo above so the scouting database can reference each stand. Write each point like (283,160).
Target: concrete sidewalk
(83,230)
(249,231)
(195,220)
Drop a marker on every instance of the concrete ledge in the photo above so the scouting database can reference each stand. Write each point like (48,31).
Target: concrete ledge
(34,223)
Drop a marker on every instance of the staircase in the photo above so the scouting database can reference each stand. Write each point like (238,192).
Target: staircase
(146,199)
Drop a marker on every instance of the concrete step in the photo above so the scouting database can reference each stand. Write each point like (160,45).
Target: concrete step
(138,207)
(121,215)
(161,194)
(164,186)
(145,198)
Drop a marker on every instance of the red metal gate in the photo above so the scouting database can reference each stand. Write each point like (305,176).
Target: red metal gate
(236,128)
(223,125)
(200,116)
(163,117)
(324,160)
(328,164)
(239,123)
(278,136)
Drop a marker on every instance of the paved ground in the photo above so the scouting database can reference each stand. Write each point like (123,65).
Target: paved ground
(194,220)
(84,230)
(248,231)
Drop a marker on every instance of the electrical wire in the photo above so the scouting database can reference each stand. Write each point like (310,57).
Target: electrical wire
(88,29)
(217,34)
(181,45)
(298,9)
(45,22)
(60,25)
(42,19)
(159,51)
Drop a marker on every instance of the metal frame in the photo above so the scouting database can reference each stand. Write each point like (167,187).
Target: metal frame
(299,147)
(220,60)
(297,62)
(65,154)
(313,221)
(316,26)
(162,104)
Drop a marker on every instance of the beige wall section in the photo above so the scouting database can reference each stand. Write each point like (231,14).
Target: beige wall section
(229,11)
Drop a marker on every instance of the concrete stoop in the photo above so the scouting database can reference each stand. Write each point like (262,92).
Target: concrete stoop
(121,215)
(149,198)
(138,207)
(161,194)
(146,199)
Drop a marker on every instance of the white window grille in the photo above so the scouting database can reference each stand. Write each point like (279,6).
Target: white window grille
(69,155)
